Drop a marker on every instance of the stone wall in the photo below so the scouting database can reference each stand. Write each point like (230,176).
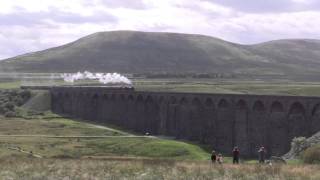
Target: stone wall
(221,120)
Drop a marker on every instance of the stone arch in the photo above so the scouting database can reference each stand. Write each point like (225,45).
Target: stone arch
(140,113)
(182,121)
(121,107)
(277,130)
(257,129)
(240,130)
(173,100)
(170,121)
(105,97)
(196,121)
(241,104)
(130,97)
(315,119)
(297,121)
(131,114)
(94,100)
(209,122)
(94,105)
(161,99)
(122,97)
(224,126)
(149,98)
(208,102)
(258,106)
(66,95)
(223,104)
(67,103)
(109,106)
(139,97)
(60,94)
(196,102)
(163,106)
(113,97)
(276,106)
(79,104)
(297,108)
(152,115)
(183,101)
(57,102)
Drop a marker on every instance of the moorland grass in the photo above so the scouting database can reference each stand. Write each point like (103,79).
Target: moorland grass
(29,168)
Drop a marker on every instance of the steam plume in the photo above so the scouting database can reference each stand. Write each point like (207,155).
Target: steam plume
(105,78)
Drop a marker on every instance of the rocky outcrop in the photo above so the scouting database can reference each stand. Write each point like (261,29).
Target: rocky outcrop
(300,144)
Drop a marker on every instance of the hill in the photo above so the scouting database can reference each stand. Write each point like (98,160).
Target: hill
(146,52)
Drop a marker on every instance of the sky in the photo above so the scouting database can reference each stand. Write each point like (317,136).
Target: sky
(33,25)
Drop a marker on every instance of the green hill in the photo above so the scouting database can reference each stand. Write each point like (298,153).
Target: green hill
(145,52)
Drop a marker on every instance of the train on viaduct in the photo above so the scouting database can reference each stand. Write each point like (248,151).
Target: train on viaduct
(219,120)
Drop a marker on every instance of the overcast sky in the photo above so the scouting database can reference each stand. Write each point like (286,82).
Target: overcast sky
(32,25)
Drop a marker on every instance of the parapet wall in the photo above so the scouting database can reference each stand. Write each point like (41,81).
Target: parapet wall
(221,120)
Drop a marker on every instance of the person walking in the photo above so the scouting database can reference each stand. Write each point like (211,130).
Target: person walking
(235,155)
(262,154)
(213,157)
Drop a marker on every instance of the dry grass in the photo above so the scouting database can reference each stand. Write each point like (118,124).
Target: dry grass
(28,168)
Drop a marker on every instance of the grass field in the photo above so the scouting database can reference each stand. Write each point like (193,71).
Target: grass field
(60,137)
(237,87)
(28,168)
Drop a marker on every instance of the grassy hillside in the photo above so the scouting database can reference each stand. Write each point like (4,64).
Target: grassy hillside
(145,52)
(54,137)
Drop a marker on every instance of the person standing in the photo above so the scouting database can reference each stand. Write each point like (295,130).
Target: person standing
(213,157)
(220,159)
(235,155)
(262,154)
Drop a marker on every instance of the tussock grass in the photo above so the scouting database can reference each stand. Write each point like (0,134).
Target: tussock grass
(28,168)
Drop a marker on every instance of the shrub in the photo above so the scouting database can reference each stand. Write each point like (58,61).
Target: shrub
(2,109)
(25,94)
(9,105)
(312,154)
(18,101)
(10,114)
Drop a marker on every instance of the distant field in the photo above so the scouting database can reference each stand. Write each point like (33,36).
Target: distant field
(237,87)
(185,85)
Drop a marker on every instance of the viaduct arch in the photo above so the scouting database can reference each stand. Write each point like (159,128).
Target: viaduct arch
(221,120)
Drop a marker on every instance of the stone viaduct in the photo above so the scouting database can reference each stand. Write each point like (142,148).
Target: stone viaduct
(221,120)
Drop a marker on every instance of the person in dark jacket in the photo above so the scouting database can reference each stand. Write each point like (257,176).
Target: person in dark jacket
(262,154)
(213,157)
(235,155)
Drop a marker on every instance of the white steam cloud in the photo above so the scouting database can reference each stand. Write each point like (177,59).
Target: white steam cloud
(105,78)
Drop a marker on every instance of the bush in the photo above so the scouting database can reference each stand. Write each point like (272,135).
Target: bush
(312,155)
(9,105)
(2,109)
(10,114)
(18,101)
(25,94)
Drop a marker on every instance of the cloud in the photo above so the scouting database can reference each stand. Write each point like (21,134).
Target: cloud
(267,6)
(33,25)
(25,18)
(130,4)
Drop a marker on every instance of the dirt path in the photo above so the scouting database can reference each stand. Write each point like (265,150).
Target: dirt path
(109,129)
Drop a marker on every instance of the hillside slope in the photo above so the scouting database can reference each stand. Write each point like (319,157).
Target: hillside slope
(143,52)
